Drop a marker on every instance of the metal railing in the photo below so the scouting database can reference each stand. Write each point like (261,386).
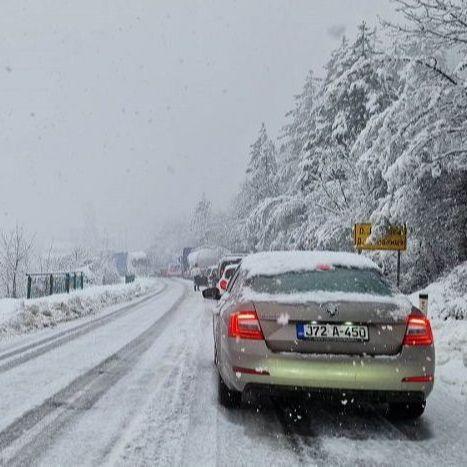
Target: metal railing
(129,278)
(41,284)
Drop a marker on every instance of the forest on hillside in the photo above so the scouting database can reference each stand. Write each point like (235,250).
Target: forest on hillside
(380,136)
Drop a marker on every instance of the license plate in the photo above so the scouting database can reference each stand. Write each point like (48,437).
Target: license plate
(335,332)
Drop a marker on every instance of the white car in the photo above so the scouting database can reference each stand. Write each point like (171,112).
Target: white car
(223,283)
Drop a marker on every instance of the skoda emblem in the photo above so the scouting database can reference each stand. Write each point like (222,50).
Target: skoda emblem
(332,309)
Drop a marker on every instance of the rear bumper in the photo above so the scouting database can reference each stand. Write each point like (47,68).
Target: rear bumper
(378,377)
(349,396)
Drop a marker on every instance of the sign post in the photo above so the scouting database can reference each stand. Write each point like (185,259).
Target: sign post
(398,267)
(423,303)
(395,239)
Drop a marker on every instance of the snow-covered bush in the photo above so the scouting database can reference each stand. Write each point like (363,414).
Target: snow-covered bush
(103,270)
(20,316)
(448,295)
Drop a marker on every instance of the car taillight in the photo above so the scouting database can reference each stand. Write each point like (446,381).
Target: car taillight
(418,330)
(245,325)
(223,284)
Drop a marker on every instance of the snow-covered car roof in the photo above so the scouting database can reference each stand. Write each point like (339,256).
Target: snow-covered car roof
(279,262)
(230,266)
(231,257)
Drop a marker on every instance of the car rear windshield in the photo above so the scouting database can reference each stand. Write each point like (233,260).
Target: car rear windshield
(226,263)
(339,279)
(229,273)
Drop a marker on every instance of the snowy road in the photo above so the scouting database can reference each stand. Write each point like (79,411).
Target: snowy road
(136,386)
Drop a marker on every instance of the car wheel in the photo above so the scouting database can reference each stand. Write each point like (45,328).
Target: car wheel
(406,410)
(227,397)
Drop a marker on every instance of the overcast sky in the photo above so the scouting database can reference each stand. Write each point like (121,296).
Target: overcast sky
(132,109)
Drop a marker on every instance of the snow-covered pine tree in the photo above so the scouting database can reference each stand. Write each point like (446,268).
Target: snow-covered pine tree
(296,133)
(276,222)
(201,221)
(260,184)
(413,157)
(262,168)
(385,140)
(358,86)
(439,23)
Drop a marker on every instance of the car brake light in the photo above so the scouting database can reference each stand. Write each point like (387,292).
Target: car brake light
(418,330)
(245,325)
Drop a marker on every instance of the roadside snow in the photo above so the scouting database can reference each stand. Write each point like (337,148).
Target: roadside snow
(18,316)
(451,352)
(279,262)
(447,310)
(8,309)
(448,296)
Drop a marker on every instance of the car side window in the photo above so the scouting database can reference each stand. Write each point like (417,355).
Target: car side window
(233,280)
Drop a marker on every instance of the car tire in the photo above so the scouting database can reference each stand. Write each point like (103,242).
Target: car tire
(228,398)
(406,410)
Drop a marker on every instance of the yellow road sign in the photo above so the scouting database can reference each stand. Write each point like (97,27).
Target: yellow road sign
(395,239)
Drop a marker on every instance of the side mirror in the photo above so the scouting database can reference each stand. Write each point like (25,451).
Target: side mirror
(223,284)
(212,293)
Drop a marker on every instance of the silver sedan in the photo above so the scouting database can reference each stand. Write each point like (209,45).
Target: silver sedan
(322,324)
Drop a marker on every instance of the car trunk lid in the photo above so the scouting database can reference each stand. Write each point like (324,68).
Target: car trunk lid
(385,320)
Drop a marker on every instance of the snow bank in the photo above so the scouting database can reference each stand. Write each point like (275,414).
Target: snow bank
(451,353)
(280,262)
(448,296)
(447,309)
(8,309)
(19,316)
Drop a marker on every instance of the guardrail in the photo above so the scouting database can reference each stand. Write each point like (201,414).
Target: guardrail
(129,278)
(41,284)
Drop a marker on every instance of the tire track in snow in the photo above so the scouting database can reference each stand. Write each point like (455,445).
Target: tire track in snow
(425,435)
(36,349)
(343,431)
(26,439)
(162,425)
(304,441)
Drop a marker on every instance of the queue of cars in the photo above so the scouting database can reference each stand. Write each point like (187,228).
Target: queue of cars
(321,324)
(218,276)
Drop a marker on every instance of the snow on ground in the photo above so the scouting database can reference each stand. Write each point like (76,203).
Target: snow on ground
(155,403)
(8,309)
(447,309)
(18,316)
(25,385)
